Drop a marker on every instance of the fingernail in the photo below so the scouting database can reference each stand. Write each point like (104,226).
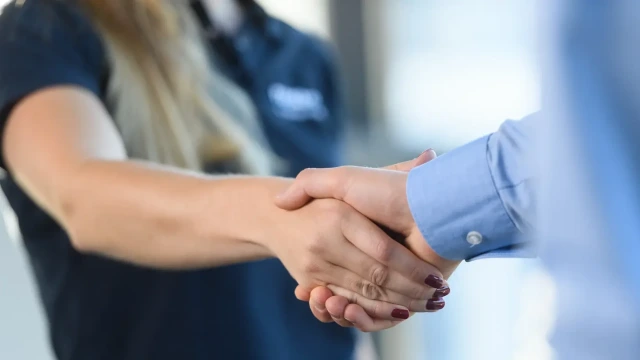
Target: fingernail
(431,151)
(442,292)
(400,314)
(435,304)
(435,282)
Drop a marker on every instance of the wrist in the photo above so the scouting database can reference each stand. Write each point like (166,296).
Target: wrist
(269,224)
(244,211)
(419,246)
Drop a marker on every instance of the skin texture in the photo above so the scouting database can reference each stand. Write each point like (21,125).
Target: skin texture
(379,194)
(62,148)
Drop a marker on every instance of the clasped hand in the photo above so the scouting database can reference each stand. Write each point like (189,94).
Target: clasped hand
(367,279)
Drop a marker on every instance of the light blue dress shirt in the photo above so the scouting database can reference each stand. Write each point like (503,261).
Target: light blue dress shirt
(481,187)
(568,177)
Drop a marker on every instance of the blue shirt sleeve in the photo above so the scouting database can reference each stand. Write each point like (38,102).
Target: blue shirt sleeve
(477,201)
(43,44)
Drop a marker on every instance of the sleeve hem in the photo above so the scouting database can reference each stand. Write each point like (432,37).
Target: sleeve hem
(454,195)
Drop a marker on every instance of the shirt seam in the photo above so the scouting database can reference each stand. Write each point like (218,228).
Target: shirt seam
(495,186)
(513,186)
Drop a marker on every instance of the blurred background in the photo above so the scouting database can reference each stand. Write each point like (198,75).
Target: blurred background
(417,74)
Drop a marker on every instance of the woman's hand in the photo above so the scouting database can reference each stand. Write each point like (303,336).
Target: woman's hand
(388,189)
(328,242)
(347,309)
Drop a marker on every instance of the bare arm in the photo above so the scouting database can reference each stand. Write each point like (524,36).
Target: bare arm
(63,149)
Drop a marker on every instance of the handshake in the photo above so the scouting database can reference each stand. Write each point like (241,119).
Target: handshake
(366,263)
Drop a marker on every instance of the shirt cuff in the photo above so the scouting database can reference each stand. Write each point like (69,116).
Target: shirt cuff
(455,204)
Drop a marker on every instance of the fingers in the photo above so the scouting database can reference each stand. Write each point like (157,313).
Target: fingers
(349,309)
(302,294)
(424,158)
(363,322)
(443,291)
(369,315)
(313,183)
(406,166)
(377,316)
(357,285)
(435,304)
(333,183)
(376,281)
(374,308)
(318,299)
(371,240)
(335,306)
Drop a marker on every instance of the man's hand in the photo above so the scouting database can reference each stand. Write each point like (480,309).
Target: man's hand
(379,194)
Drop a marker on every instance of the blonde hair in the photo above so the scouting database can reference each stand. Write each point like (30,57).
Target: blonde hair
(160,85)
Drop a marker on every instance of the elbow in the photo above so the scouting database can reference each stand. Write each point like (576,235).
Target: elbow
(80,241)
(75,225)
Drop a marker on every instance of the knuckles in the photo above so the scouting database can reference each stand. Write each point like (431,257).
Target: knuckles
(330,216)
(334,211)
(305,174)
(383,250)
(310,265)
(317,245)
(379,275)
(369,290)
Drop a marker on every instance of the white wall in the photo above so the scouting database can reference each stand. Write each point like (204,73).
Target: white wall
(308,15)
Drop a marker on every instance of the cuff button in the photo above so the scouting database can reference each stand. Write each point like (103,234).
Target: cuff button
(474,238)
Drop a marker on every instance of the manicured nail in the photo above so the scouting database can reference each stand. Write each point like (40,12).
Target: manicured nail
(435,304)
(400,314)
(435,282)
(442,292)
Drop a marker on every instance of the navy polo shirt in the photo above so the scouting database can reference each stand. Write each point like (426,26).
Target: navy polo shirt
(293,81)
(98,308)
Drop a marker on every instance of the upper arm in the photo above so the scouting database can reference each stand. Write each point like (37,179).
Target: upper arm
(51,118)
(50,133)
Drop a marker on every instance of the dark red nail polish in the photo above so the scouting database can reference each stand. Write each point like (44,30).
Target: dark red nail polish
(400,314)
(435,304)
(434,281)
(442,292)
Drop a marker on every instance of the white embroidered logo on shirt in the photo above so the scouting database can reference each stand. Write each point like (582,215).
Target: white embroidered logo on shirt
(297,104)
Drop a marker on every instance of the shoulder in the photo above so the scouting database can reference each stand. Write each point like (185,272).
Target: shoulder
(45,43)
(47,22)
(39,14)
(50,34)
(314,49)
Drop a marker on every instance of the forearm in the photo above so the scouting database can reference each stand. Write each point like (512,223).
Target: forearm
(161,217)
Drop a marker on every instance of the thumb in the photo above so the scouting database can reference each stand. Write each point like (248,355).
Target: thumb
(313,184)
(406,166)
